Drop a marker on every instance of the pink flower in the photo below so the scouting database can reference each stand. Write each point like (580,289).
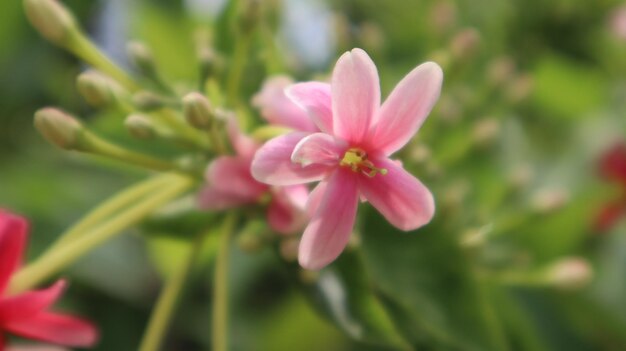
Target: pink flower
(350,156)
(26,314)
(612,167)
(35,348)
(231,185)
(618,22)
(278,109)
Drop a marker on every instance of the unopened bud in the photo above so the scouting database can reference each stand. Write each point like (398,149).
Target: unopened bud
(443,16)
(249,242)
(197,110)
(433,169)
(520,88)
(618,22)
(521,175)
(308,277)
(208,62)
(51,19)
(549,200)
(140,126)
(569,273)
(485,130)
(465,43)
(58,127)
(250,16)
(98,89)
(475,237)
(289,249)
(456,193)
(148,101)
(500,70)
(342,30)
(449,109)
(253,236)
(420,153)
(141,57)
(371,36)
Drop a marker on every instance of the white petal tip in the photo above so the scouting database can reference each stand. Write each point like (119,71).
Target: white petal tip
(433,68)
(420,220)
(312,264)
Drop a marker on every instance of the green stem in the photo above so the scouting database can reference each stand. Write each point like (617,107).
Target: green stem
(494,328)
(111,206)
(238,65)
(220,302)
(216,140)
(169,119)
(85,49)
(94,144)
(272,58)
(53,261)
(166,304)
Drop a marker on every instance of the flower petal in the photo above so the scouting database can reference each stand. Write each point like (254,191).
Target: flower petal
(315,198)
(272,163)
(13,232)
(609,215)
(329,230)
(612,163)
(406,108)
(211,198)
(282,218)
(56,328)
(33,347)
(401,198)
(285,213)
(315,99)
(319,148)
(30,303)
(278,109)
(244,145)
(297,195)
(355,95)
(231,175)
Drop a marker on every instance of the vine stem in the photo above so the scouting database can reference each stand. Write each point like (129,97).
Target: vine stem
(166,304)
(238,66)
(220,293)
(122,199)
(53,261)
(85,49)
(96,145)
(496,334)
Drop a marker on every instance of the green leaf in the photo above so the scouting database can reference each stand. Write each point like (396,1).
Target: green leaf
(430,285)
(568,90)
(343,294)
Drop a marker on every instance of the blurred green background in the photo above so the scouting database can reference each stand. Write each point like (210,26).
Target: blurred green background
(534,92)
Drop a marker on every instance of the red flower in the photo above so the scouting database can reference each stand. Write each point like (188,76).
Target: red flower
(612,167)
(27,314)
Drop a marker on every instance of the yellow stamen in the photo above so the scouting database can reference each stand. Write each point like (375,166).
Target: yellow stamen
(356,159)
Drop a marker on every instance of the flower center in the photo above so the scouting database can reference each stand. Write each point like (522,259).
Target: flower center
(356,159)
